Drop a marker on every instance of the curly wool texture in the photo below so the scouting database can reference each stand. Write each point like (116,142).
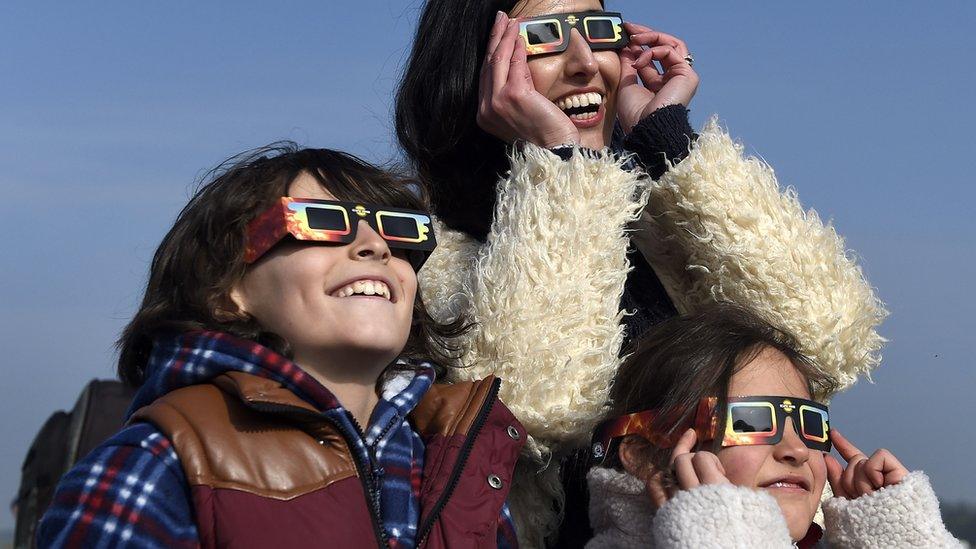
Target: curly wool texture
(544,293)
(715,515)
(545,289)
(904,515)
(718,228)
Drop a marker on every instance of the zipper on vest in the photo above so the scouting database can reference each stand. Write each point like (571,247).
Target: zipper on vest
(479,422)
(364,471)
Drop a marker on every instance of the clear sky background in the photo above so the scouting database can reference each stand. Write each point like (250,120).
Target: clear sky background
(110,111)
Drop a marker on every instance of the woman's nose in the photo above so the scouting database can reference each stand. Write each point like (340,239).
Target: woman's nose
(580,61)
(791,447)
(369,244)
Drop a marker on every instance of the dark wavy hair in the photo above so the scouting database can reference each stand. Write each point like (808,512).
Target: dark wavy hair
(436,106)
(683,359)
(202,256)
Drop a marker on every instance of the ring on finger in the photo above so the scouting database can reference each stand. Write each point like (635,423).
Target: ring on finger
(690,59)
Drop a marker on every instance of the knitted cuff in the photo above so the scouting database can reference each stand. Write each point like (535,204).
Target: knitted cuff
(661,138)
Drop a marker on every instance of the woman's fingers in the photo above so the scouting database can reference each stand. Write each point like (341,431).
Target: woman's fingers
(519,77)
(501,59)
(497,30)
(667,55)
(834,472)
(646,36)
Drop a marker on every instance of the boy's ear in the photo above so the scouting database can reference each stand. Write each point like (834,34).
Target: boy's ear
(232,306)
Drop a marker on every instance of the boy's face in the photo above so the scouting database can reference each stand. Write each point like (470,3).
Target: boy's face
(335,304)
(788,471)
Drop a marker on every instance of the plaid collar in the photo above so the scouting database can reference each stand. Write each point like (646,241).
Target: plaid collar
(183,359)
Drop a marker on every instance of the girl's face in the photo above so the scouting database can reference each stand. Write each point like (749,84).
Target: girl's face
(302,293)
(788,471)
(578,70)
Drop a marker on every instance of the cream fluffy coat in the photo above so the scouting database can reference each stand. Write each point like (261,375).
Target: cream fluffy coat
(544,289)
(723,515)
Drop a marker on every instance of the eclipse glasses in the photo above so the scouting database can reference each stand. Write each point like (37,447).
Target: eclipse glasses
(602,30)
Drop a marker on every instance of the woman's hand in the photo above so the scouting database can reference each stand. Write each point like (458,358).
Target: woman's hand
(643,89)
(863,474)
(510,108)
(689,469)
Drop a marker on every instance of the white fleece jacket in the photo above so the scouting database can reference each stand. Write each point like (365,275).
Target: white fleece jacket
(544,290)
(723,515)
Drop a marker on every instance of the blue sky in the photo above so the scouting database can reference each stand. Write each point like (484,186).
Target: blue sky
(109,112)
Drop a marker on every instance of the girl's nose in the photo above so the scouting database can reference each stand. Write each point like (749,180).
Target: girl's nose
(580,61)
(791,447)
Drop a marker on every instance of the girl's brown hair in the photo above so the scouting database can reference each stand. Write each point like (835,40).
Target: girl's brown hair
(687,358)
(202,256)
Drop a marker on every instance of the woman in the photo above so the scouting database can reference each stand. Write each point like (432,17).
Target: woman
(535,238)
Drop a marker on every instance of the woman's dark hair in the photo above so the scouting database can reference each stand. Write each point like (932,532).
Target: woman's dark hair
(202,256)
(686,358)
(436,107)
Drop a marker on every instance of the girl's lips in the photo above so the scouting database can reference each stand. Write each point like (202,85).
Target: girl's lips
(789,483)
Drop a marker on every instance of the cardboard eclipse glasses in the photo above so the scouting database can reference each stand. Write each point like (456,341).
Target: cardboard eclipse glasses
(602,30)
(753,420)
(337,222)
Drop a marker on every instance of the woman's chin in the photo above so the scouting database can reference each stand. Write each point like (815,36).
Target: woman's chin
(593,138)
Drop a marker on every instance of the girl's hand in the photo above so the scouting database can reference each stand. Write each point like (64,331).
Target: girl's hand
(639,97)
(689,469)
(509,107)
(863,474)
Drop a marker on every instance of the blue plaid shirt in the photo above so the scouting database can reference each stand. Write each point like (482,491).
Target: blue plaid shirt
(131,490)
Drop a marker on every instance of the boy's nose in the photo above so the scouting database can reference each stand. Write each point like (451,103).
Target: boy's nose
(369,244)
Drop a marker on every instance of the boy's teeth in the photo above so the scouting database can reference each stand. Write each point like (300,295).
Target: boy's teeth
(365,287)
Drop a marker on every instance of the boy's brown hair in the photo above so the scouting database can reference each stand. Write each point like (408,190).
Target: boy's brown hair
(202,256)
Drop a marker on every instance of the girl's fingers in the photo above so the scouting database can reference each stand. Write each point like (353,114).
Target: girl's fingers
(667,55)
(874,468)
(684,445)
(656,490)
(891,470)
(844,447)
(834,472)
(708,468)
(861,479)
(684,472)
(847,479)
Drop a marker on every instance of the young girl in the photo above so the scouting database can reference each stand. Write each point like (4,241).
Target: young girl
(716,440)
(281,400)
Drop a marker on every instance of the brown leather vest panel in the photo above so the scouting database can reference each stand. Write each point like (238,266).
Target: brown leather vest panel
(451,409)
(224,444)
